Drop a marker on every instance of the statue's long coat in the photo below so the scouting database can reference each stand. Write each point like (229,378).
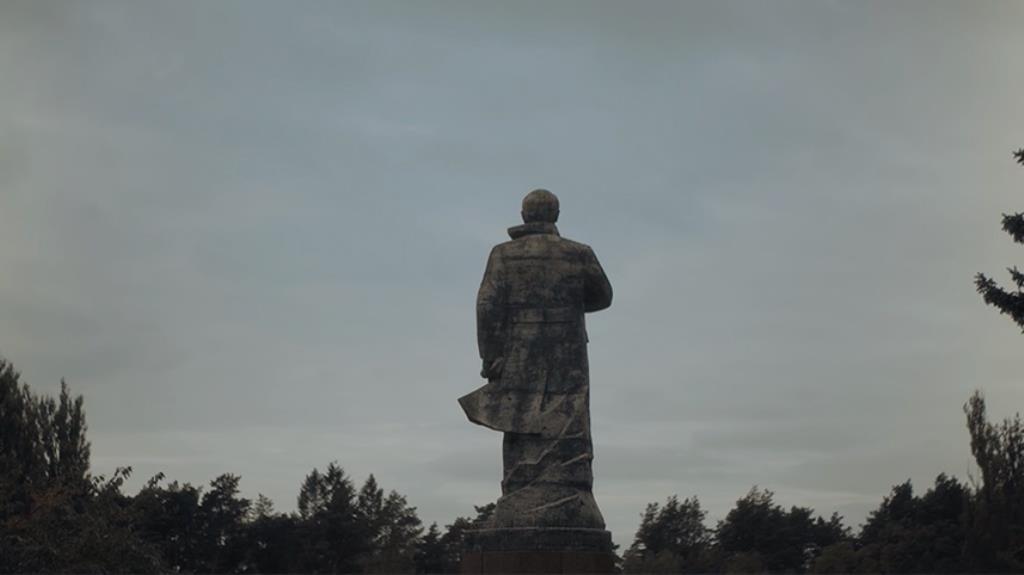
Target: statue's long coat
(530,322)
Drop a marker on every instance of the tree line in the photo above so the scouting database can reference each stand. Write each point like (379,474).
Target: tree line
(952,528)
(55,516)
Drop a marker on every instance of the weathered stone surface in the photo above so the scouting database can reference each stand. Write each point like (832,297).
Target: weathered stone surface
(533,344)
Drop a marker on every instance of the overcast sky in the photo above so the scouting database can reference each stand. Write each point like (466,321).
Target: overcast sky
(251,234)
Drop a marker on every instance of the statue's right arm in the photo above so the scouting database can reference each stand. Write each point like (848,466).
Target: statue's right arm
(490,312)
(597,288)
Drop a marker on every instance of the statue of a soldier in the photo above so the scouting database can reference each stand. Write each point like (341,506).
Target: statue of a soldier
(533,342)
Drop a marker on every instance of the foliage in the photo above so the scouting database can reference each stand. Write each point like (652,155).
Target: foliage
(333,534)
(394,530)
(431,554)
(996,520)
(42,440)
(671,539)
(1008,302)
(757,534)
(451,540)
(57,517)
(909,534)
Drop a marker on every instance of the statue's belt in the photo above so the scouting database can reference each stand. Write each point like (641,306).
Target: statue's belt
(545,314)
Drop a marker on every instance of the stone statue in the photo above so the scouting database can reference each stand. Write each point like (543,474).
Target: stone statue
(533,343)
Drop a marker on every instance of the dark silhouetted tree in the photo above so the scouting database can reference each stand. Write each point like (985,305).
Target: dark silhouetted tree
(451,541)
(170,518)
(759,535)
(42,440)
(221,522)
(671,539)
(55,516)
(270,539)
(910,534)
(393,527)
(72,531)
(995,537)
(1009,302)
(430,553)
(333,533)
(839,557)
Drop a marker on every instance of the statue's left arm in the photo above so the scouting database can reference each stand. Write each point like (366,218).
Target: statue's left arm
(597,291)
(490,316)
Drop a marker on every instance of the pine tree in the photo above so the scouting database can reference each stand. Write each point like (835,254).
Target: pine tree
(333,530)
(271,539)
(430,552)
(221,515)
(370,503)
(262,507)
(394,529)
(1008,302)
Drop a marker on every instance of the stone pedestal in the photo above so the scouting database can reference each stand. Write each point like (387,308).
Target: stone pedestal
(537,550)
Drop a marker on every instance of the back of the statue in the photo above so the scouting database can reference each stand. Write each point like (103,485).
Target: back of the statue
(533,344)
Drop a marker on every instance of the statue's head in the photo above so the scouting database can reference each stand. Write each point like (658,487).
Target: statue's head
(540,206)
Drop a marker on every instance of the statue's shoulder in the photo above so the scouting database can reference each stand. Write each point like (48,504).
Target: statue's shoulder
(541,246)
(561,241)
(578,250)
(503,247)
(574,245)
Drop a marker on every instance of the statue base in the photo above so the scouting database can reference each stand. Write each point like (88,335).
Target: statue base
(537,550)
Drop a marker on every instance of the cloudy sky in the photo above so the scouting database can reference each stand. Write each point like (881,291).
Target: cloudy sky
(251,233)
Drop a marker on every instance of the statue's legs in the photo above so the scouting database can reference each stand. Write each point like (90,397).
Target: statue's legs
(546,520)
(548,481)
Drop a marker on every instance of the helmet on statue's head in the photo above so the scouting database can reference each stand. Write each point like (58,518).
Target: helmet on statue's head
(540,206)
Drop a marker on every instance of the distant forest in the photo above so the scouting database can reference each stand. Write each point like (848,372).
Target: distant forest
(55,516)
